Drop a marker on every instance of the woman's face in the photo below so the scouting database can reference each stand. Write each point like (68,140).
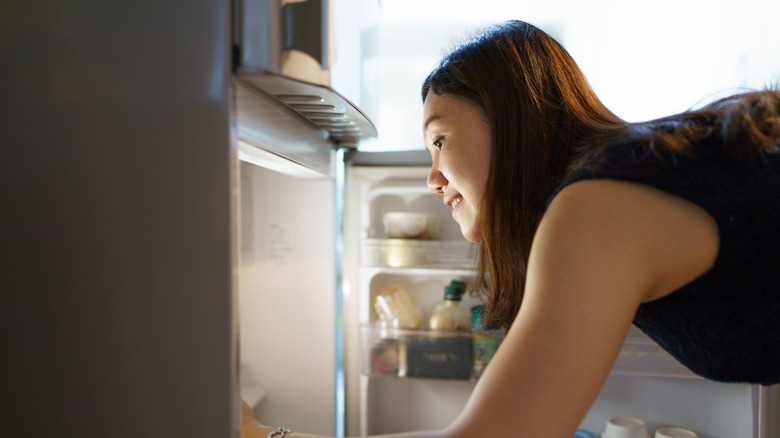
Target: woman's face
(458,138)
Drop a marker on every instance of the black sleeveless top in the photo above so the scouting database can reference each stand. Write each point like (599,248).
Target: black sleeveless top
(724,325)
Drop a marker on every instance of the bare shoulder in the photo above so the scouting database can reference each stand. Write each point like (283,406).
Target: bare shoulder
(670,240)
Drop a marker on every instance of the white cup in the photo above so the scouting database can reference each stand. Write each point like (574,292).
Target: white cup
(675,432)
(625,427)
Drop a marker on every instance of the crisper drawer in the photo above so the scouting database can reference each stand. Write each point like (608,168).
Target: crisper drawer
(425,353)
(447,254)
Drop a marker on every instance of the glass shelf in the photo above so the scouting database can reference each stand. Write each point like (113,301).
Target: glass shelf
(412,253)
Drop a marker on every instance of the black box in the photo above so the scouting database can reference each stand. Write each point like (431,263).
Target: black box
(439,357)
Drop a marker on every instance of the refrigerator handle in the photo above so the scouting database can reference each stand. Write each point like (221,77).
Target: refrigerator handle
(766,416)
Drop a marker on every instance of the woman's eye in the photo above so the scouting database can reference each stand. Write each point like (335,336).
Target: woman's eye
(438,143)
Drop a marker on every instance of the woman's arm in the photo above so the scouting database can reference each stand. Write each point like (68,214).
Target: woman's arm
(602,248)
(251,428)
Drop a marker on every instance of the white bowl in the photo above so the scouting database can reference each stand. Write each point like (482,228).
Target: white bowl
(625,427)
(675,432)
(410,225)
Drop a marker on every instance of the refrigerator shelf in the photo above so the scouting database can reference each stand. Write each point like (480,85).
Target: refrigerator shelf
(400,187)
(444,254)
(393,352)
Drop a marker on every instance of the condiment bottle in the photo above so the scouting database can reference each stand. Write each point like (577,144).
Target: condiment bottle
(449,314)
(486,339)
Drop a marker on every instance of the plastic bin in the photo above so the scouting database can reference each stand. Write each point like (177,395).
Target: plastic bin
(416,353)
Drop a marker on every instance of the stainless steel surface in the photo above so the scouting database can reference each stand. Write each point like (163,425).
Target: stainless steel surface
(269,125)
(118,243)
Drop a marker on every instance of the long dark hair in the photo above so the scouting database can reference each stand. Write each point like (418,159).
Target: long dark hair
(544,118)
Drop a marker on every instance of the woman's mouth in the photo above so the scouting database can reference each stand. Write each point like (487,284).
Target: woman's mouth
(456,201)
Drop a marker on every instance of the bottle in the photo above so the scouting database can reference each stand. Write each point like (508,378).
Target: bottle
(486,338)
(449,314)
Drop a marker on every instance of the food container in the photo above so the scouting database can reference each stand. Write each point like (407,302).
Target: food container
(437,357)
(410,225)
(395,308)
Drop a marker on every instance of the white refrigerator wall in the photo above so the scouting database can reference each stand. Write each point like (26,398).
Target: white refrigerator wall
(287,297)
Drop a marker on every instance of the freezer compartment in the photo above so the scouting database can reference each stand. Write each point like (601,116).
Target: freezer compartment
(396,253)
(417,353)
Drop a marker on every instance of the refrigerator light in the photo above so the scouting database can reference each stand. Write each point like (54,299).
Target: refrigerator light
(269,160)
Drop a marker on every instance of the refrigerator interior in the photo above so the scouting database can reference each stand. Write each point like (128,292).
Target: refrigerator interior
(645,382)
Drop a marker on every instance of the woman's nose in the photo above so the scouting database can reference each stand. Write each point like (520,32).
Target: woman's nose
(436,180)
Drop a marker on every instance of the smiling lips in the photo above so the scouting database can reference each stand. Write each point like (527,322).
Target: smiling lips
(454,203)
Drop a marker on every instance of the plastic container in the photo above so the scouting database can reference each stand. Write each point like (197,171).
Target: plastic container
(395,308)
(383,357)
(449,314)
(410,225)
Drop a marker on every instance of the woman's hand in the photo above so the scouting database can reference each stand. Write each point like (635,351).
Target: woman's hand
(250,427)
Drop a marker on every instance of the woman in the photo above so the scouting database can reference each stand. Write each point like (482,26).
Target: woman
(593,224)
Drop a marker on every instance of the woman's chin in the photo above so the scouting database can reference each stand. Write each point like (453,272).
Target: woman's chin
(471,235)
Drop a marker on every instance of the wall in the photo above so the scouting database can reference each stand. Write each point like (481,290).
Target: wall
(645,60)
